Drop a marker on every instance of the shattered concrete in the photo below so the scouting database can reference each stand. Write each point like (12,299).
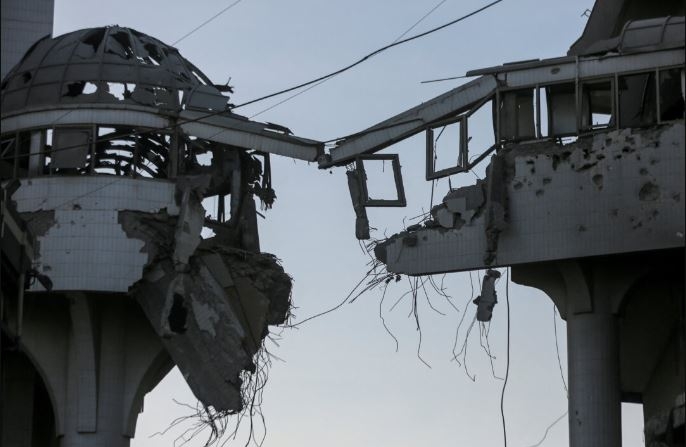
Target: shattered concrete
(488,298)
(612,192)
(212,317)
(210,303)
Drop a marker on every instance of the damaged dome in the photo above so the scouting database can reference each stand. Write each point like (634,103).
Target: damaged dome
(106,65)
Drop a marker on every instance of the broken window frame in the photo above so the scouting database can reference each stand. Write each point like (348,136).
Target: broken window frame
(462,156)
(550,99)
(400,200)
(499,103)
(651,74)
(585,128)
(658,91)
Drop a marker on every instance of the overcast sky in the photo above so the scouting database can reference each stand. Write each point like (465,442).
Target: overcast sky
(341,382)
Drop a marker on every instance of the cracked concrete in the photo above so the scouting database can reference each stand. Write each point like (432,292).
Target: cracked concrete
(612,192)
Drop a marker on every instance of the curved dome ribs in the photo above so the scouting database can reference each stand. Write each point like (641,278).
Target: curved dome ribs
(109,65)
(113,100)
(101,65)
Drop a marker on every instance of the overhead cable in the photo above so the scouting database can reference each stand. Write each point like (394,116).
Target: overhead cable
(206,22)
(305,84)
(370,55)
(507,361)
(428,13)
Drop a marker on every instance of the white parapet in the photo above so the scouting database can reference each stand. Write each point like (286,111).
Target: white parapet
(81,244)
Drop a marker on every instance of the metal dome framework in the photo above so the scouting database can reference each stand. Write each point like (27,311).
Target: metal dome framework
(113,100)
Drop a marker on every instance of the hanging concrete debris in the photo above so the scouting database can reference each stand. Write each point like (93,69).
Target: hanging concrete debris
(488,298)
(582,199)
(114,142)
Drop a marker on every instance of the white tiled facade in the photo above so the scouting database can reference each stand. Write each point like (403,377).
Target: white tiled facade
(86,248)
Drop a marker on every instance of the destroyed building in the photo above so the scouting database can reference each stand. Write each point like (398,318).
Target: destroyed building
(583,199)
(111,143)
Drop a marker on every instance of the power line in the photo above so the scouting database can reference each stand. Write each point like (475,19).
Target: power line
(207,21)
(438,5)
(314,81)
(370,55)
(507,361)
(445,79)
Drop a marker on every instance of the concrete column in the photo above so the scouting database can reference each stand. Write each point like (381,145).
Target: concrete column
(595,417)
(587,294)
(99,356)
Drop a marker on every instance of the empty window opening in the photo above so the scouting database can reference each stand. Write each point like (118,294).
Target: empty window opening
(672,94)
(561,104)
(120,90)
(204,159)
(637,102)
(516,111)
(480,139)
(382,183)
(597,105)
(446,149)
(89,88)
(207,233)
(177,315)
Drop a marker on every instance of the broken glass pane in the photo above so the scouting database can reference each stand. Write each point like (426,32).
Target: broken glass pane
(637,104)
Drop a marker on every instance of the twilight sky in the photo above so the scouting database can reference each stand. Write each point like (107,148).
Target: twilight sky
(341,382)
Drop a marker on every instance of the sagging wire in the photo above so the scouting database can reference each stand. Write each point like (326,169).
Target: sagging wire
(377,278)
(253,382)
(206,22)
(460,357)
(507,359)
(545,435)
(217,424)
(370,55)
(281,92)
(557,351)
(326,79)
(457,330)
